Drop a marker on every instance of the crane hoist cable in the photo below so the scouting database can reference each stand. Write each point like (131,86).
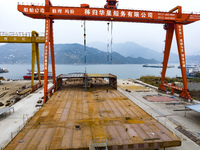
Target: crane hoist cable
(85,44)
(111,41)
(108,41)
(84,24)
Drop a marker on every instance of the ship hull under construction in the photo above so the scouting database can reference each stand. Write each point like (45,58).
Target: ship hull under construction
(100,117)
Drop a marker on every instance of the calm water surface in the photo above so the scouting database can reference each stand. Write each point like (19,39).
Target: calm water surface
(134,71)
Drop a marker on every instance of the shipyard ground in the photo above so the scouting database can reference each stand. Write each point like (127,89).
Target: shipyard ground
(12,122)
(9,90)
(69,128)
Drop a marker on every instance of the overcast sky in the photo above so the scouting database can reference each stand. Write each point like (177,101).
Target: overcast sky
(66,31)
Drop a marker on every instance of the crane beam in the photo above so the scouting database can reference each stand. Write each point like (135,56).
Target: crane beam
(102,14)
(9,38)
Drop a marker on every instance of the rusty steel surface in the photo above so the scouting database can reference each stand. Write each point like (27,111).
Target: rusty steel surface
(112,78)
(101,75)
(88,75)
(72,75)
(189,134)
(71,118)
(159,98)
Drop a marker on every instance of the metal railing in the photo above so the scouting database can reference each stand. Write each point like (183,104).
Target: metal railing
(31,4)
(25,34)
(98,142)
(16,130)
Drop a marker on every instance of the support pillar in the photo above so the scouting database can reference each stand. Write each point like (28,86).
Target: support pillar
(52,52)
(35,53)
(46,58)
(181,52)
(33,64)
(38,63)
(168,43)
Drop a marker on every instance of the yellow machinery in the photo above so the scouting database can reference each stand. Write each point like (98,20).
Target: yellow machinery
(33,38)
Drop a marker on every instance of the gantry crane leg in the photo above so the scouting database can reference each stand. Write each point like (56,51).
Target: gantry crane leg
(168,43)
(46,57)
(35,53)
(181,52)
(33,64)
(48,38)
(52,52)
(38,63)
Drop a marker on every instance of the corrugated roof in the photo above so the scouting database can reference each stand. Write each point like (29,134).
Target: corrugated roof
(195,107)
(5,109)
(72,75)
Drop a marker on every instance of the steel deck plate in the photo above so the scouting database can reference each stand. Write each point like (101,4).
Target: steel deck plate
(73,119)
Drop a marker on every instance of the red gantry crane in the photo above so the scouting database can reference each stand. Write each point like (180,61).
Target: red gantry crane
(172,20)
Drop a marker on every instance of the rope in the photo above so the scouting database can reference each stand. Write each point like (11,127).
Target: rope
(85,42)
(85,53)
(111,40)
(108,42)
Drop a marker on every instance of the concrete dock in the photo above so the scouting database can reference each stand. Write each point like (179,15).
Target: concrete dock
(102,117)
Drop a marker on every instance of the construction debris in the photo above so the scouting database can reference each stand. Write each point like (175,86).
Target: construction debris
(189,134)
(2,95)
(13,91)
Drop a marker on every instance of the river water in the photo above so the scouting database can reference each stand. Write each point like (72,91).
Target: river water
(133,71)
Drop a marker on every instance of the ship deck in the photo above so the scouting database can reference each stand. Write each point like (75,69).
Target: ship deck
(77,119)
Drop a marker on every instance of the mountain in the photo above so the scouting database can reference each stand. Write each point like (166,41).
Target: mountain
(15,53)
(193,59)
(65,54)
(134,50)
